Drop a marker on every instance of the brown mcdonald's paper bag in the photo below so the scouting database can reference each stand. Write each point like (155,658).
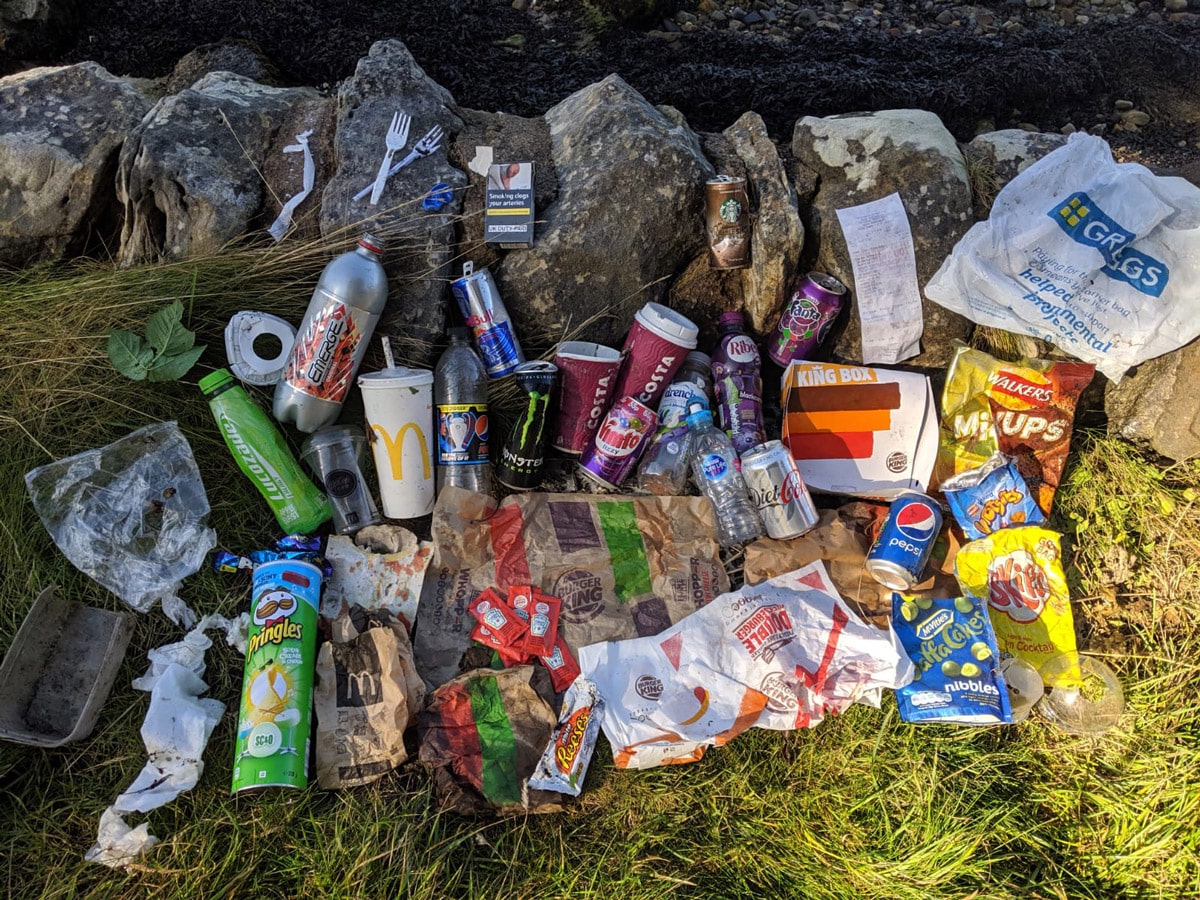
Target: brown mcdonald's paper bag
(367,692)
(842,538)
(623,566)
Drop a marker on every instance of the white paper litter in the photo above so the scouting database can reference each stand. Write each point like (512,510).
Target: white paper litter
(175,732)
(389,580)
(885,279)
(778,655)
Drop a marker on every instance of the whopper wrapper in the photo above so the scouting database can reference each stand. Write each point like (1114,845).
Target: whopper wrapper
(775,655)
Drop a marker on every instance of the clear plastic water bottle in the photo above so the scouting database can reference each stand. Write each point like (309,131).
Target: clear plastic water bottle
(737,380)
(664,468)
(333,337)
(460,384)
(713,467)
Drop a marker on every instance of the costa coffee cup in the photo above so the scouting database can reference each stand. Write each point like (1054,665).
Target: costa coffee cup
(655,349)
(588,373)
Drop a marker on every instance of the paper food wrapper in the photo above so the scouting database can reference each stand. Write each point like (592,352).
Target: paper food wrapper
(382,568)
(481,739)
(777,655)
(366,694)
(841,539)
(623,566)
(862,431)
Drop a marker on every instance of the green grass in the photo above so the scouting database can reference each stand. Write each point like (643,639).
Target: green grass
(861,806)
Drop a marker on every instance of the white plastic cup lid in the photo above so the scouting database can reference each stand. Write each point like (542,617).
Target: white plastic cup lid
(397,377)
(668,324)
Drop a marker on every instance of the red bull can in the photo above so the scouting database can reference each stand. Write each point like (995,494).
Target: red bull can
(898,556)
(778,491)
(486,315)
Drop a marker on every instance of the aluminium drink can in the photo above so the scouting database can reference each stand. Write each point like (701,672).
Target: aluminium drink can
(727,222)
(618,444)
(815,303)
(898,556)
(778,491)
(272,741)
(485,314)
(522,455)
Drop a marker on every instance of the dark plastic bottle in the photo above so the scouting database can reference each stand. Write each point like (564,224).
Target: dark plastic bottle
(737,382)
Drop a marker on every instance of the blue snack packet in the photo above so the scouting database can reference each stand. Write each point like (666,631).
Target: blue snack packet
(992,497)
(957,664)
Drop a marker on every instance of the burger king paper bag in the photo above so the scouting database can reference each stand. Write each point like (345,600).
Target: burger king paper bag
(857,430)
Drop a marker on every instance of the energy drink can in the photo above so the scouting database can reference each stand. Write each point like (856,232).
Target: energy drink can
(618,444)
(727,222)
(485,314)
(272,743)
(815,303)
(778,491)
(523,453)
(898,556)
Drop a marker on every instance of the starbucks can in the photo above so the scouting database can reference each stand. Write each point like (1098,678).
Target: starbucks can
(271,748)
(727,222)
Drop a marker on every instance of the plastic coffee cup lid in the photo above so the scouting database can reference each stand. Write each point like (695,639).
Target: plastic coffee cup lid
(587,350)
(668,324)
(399,376)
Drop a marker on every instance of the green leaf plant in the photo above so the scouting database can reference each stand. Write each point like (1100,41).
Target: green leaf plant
(166,353)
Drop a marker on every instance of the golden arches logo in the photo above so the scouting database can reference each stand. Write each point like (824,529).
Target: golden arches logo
(395,449)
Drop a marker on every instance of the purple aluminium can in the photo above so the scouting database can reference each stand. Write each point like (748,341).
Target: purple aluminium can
(727,222)
(815,303)
(623,434)
(898,556)
(485,314)
(776,488)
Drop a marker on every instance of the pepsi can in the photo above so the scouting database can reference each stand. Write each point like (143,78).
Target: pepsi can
(898,556)
(485,314)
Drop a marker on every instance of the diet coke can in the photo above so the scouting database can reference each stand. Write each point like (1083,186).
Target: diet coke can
(623,434)
(776,488)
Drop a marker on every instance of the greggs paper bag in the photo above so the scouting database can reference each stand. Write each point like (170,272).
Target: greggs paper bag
(858,430)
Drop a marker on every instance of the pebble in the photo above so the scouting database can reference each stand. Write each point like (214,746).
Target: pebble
(1135,117)
(1175,5)
(520,5)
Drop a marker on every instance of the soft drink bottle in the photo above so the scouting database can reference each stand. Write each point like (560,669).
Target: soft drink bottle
(460,384)
(333,337)
(664,468)
(264,457)
(737,380)
(714,468)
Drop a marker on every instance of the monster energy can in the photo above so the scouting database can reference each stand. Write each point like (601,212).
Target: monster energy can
(271,748)
(523,453)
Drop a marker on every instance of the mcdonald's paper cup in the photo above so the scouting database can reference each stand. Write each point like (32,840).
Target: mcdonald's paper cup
(657,344)
(589,375)
(399,408)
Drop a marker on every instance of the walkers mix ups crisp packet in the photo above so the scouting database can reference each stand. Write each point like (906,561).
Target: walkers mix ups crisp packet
(992,497)
(1018,571)
(955,661)
(1024,409)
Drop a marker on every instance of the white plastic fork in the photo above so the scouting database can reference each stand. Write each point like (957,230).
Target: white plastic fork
(423,147)
(397,137)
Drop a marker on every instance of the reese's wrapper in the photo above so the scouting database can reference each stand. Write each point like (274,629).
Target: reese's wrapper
(1018,572)
(955,660)
(564,764)
(992,497)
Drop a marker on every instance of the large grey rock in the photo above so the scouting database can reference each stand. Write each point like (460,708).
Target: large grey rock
(189,175)
(997,157)
(1159,405)
(866,156)
(744,149)
(61,131)
(420,242)
(240,57)
(19,14)
(627,218)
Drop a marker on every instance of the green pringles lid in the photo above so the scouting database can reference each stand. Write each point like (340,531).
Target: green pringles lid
(214,381)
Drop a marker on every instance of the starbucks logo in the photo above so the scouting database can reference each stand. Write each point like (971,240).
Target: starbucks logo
(731,210)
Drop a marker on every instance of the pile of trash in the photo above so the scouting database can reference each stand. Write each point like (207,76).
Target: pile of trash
(531,623)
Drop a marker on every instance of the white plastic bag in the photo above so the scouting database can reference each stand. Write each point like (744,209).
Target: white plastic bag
(1098,257)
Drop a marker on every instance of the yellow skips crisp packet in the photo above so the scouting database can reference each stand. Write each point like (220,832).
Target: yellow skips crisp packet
(1018,571)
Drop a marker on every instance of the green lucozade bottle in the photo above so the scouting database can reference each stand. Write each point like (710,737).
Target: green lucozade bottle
(260,451)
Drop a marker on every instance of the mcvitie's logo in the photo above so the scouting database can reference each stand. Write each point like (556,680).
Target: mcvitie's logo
(1087,224)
